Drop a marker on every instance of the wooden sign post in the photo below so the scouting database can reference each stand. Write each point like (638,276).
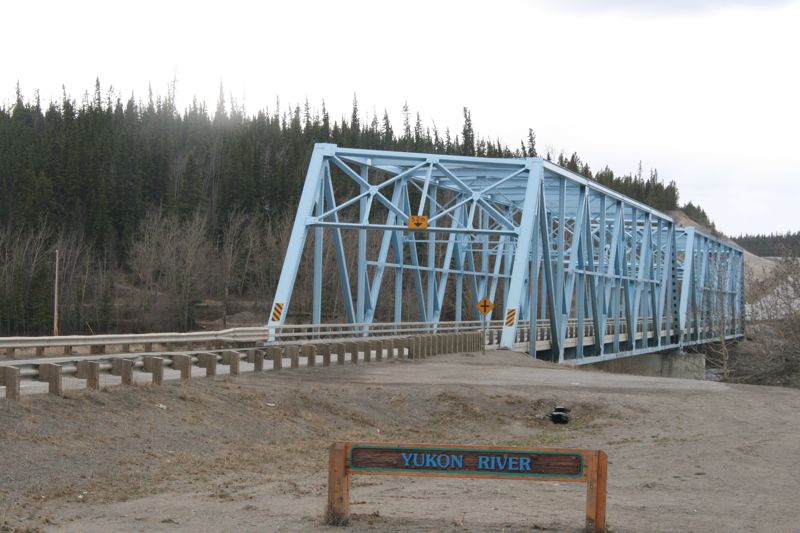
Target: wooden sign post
(550,464)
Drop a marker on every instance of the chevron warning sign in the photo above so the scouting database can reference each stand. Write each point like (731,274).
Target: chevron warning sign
(277,311)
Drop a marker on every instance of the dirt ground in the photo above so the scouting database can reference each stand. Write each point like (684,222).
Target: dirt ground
(249,453)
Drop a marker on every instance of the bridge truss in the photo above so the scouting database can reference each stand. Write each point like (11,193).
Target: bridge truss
(581,272)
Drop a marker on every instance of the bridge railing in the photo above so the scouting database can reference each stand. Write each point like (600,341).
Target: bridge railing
(287,333)
(22,347)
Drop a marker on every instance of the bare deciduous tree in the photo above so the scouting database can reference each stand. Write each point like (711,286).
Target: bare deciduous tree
(172,260)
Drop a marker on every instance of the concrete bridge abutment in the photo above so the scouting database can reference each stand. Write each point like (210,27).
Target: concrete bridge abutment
(672,364)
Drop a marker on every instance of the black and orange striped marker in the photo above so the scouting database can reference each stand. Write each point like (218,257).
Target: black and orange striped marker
(511,317)
(277,311)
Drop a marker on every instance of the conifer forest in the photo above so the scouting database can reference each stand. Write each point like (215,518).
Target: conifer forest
(164,218)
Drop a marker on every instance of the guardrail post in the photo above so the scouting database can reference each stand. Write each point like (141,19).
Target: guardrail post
(352,347)
(388,347)
(52,374)
(293,353)
(90,371)
(209,362)
(325,351)
(400,346)
(276,355)
(39,351)
(366,347)
(124,369)
(10,353)
(310,353)
(340,353)
(67,350)
(377,347)
(154,365)
(11,378)
(148,347)
(256,357)
(183,363)
(93,375)
(231,359)
(97,349)
(126,348)
(116,367)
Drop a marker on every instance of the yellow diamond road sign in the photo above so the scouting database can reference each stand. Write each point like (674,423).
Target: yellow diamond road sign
(485,306)
(417,222)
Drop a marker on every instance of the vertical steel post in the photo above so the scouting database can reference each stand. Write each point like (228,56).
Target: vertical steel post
(530,206)
(294,251)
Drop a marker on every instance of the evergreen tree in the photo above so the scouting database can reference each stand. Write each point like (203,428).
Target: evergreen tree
(531,148)
(468,135)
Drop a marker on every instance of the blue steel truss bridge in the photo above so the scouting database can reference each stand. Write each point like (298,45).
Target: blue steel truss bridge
(576,271)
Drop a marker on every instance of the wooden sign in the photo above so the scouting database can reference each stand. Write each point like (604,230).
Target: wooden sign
(417,222)
(462,462)
(564,465)
(485,306)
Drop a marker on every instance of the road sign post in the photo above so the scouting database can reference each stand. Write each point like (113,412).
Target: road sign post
(485,307)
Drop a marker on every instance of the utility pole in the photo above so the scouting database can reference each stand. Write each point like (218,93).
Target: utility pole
(55,300)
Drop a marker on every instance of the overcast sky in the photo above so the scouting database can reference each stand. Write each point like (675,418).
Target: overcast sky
(707,91)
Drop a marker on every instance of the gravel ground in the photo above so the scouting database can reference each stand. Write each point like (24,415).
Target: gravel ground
(249,453)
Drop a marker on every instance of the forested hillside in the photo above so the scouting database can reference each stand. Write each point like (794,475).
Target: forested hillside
(101,179)
(772,245)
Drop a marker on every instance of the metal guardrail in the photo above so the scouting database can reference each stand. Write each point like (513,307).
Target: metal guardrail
(254,334)
(264,335)
(90,371)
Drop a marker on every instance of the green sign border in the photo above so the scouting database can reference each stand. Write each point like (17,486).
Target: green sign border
(581,473)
